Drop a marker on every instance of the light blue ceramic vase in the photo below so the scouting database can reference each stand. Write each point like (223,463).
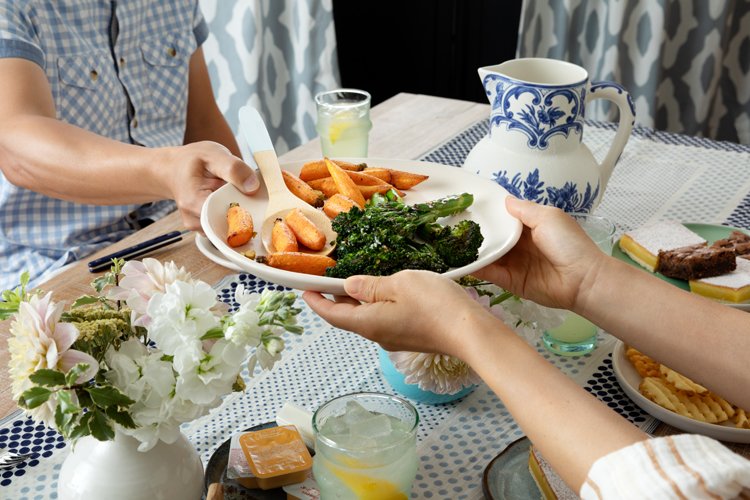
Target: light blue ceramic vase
(412,391)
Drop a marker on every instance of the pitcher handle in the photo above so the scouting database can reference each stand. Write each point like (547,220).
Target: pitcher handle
(617,94)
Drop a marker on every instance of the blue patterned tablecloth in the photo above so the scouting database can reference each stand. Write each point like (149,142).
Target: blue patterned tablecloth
(659,176)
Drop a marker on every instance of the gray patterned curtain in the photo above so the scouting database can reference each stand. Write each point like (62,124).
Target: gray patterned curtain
(275,55)
(685,62)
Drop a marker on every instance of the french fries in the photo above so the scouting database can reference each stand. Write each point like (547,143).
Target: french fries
(336,204)
(282,237)
(239,225)
(302,190)
(316,169)
(344,183)
(298,262)
(679,394)
(305,230)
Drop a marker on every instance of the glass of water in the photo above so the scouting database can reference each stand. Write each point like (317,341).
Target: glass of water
(344,122)
(577,335)
(365,443)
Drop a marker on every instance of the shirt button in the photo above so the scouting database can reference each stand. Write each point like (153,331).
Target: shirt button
(172,51)
(94,75)
(122,61)
(135,123)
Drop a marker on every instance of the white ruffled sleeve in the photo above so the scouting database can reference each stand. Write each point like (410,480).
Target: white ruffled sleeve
(680,466)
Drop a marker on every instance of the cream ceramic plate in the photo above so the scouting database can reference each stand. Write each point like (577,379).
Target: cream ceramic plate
(501,230)
(629,380)
(208,250)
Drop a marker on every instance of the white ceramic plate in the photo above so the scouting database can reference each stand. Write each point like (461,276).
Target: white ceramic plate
(209,251)
(629,380)
(501,230)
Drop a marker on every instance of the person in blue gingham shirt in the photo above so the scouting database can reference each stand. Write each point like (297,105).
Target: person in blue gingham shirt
(97,99)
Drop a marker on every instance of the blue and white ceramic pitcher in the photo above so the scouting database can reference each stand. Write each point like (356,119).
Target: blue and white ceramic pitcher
(534,148)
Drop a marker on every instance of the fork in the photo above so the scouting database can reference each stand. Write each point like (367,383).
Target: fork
(10,459)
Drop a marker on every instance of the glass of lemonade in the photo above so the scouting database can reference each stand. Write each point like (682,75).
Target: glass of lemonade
(577,335)
(344,122)
(365,447)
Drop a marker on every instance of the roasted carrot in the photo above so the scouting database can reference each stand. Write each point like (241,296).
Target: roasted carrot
(329,188)
(317,169)
(239,225)
(336,204)
(344,183)
(406,180)
(324,185)
(381,173)
(305,230)
(298,262)
(363,179)
(368,191)
(282,237)
(302,190)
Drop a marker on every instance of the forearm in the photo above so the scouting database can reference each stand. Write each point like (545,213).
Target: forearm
(569,426)
(211,128)
(673,326)
(66,162)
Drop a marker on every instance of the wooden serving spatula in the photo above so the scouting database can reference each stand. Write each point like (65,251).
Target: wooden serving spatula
(280,200)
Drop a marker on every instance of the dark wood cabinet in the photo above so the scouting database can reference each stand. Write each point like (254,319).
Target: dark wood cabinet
(423,46)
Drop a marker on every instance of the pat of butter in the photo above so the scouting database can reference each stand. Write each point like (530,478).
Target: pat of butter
(293,414)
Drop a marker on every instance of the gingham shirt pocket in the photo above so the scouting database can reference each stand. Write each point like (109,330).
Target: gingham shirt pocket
(89,82)
(167,58)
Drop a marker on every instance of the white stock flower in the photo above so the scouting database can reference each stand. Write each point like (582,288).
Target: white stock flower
(39,340)
(243,326)
(438,373)
(181,315)
(141,280)
(203,377)
(150,381)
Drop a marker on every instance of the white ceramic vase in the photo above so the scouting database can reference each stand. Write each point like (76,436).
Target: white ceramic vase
(116,470)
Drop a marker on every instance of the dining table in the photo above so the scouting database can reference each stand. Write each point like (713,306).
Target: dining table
(660,176)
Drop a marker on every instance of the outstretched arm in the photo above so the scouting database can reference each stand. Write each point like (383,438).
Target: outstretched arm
(555,264)
(40,153)
(399,313)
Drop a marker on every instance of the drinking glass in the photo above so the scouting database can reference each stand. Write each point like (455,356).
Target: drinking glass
(365,443)
(577,335)
(344,122)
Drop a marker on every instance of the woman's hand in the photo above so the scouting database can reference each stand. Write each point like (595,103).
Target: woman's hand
(552,264)
(408,311)
(192,172)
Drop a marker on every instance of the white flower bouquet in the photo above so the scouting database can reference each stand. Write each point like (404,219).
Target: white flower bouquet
(151,350)
(444,374)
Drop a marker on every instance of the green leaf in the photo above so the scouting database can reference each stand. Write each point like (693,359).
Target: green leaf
(48,378)
(100,427)
(36,396)
(66,403)
(63,421)
(121,417)
(213,333)
(82,428)
(85,300)
(76,371)
(108,396)
(167,357)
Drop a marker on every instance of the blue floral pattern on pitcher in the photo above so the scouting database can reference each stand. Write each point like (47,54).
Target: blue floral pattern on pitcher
(538,111)
(567,197)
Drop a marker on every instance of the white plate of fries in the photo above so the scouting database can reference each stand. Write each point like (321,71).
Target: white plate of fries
(694,407)
(501,231)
